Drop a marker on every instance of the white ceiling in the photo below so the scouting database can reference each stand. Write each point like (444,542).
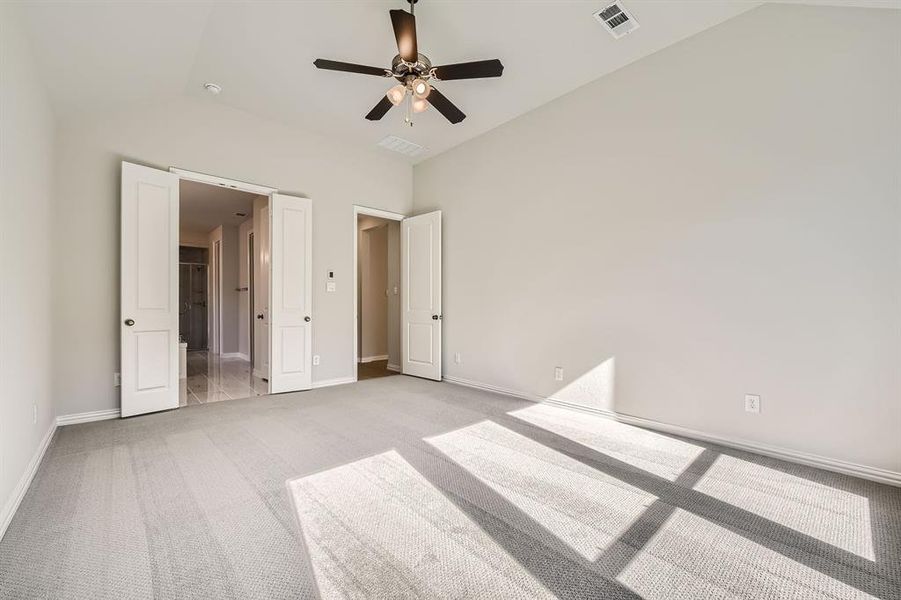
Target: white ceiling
(204,207)
(99,56)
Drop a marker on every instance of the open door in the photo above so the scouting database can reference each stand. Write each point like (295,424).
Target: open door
(149,290)
(291,293)
(421,289)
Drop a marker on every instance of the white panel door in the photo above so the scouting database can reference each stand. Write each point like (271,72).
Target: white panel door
(149,294)
(291,293)
(421,287)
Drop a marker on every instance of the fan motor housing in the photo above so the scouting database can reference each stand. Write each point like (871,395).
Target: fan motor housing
(403,70)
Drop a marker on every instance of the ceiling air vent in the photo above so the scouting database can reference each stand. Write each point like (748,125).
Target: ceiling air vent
(617,20)
(400,145)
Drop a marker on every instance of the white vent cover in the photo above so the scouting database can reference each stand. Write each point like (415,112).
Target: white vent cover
(617,20)
(396,144)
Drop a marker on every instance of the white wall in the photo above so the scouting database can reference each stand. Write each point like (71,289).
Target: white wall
(721,218)
(202,136)
(26,179)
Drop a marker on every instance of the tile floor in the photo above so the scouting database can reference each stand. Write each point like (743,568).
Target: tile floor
(212,378)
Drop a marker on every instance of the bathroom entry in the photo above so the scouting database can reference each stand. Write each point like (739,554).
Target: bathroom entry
(192,296)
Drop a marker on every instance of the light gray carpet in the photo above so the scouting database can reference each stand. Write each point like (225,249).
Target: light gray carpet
(403,488)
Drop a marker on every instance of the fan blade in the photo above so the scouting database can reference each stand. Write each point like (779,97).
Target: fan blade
(405,32)
(445,106)
(470,70)
(380,109)
(334,65)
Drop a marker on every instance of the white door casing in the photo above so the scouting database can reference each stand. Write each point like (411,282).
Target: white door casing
(421,295)
(149,290)
(291,293)
(261,295)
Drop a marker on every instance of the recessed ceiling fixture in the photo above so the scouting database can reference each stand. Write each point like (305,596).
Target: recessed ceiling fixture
(414,72)
(213,88)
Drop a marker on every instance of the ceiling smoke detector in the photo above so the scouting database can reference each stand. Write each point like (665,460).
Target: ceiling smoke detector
(617,19)
(213,88)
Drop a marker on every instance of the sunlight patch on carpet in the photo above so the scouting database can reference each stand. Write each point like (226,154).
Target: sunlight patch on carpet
(376,528)
(655,453)
(830,515)
(586,509)
(691,557)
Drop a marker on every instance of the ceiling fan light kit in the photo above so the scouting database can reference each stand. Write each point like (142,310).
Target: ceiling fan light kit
(414,71)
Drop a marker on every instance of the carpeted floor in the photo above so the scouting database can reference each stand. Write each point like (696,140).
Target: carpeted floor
(403,488)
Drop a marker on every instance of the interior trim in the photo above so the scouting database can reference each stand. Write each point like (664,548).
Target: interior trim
(88,417)
(6,515)
(795,456)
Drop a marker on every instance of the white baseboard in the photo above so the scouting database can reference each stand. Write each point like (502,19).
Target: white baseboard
(240,355)
(369,359)
(795,456)
(87,417)
(9,509)
(492,388)
(330,382)
(395,368)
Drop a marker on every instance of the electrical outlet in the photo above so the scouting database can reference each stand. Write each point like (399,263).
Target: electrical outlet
(34,416)
(752,403)
(558,373)
(315,360)
(117,379)
(457,358)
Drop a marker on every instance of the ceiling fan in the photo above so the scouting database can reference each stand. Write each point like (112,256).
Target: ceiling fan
(414,71)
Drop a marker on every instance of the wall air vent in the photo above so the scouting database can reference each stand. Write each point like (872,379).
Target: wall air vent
(402,146)
(617,20)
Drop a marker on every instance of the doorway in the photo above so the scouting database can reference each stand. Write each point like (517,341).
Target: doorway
(151,357)
(193,296)
(216,289)
(377,345)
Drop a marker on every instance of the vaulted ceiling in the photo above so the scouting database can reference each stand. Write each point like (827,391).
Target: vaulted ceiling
(98,56)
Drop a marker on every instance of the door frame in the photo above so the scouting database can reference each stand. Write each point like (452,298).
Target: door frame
(355,314)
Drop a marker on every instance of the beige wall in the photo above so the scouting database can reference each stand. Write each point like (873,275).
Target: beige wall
(721,218)
(373,285)
(202,136)
(26,291)
(199,239)
(394,295)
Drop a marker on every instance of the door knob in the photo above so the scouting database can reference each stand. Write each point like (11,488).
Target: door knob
(260,316)
(434,317)
(307,319)
(129,322)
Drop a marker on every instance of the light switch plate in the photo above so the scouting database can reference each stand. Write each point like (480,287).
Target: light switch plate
(558,373)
